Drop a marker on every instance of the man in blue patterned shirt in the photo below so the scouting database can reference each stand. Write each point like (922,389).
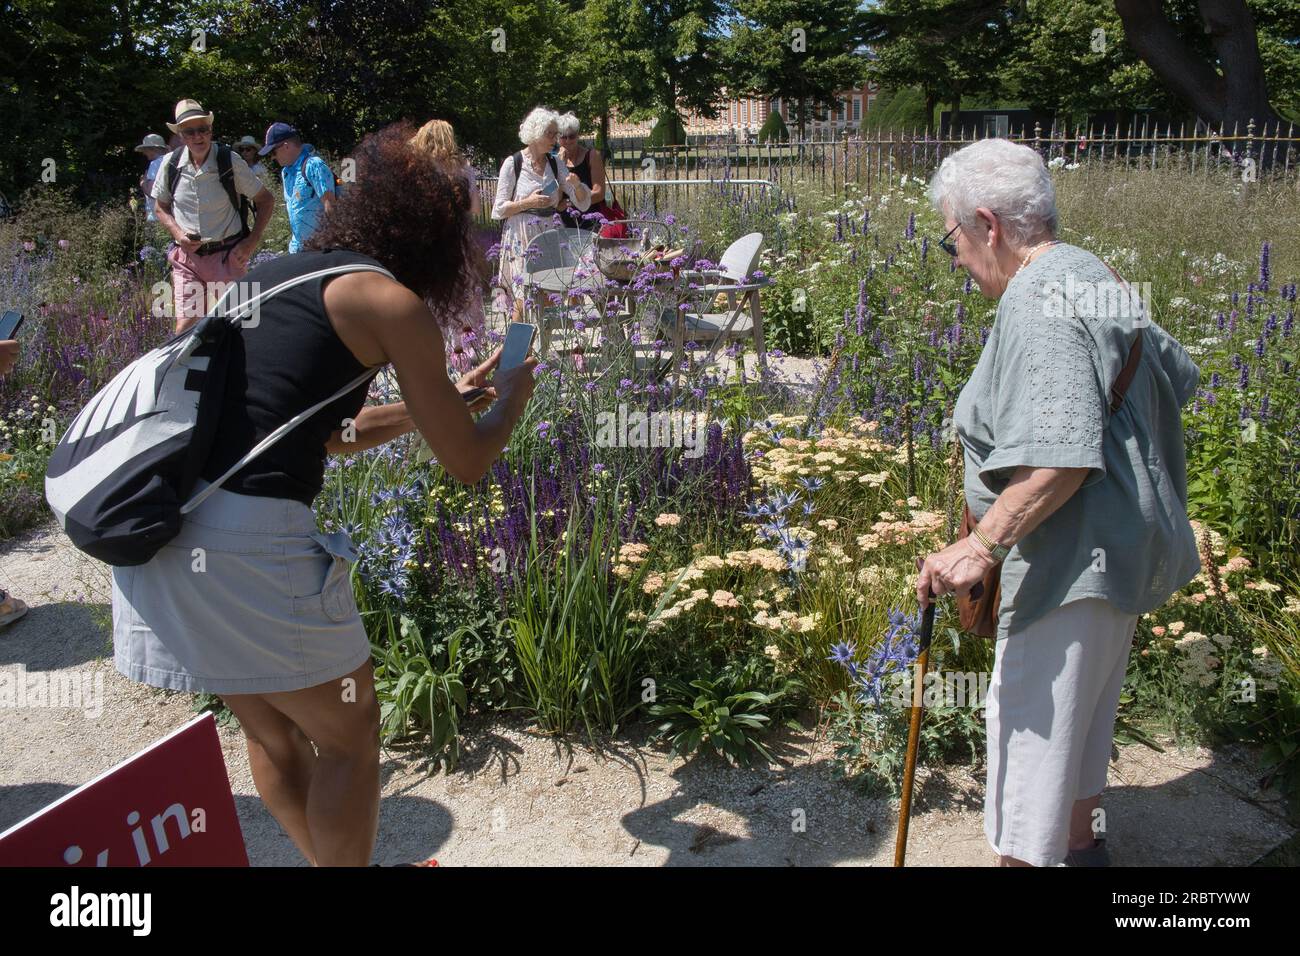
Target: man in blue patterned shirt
(309,185)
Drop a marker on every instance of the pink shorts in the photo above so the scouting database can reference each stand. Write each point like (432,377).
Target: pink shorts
(199,281)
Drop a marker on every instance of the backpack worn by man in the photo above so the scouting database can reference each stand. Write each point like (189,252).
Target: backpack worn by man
(225,174)
(119,478)
(311,190)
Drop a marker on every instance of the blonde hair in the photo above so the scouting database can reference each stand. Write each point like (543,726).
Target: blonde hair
(437,140)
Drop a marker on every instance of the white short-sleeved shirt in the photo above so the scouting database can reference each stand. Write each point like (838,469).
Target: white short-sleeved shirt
(522,227)
(200,204)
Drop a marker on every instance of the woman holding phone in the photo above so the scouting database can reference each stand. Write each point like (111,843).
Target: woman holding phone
(271,625)
(529,188)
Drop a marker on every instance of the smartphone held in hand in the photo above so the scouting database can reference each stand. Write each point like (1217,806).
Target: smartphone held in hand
(9,325)
(519,339)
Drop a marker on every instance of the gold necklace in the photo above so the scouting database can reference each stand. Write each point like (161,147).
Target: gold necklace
(1042,245)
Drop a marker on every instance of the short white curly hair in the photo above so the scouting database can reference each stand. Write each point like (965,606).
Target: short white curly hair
(568,123)
(536,124)
(1006,177)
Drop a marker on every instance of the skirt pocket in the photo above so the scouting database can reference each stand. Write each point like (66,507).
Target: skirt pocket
(321,578)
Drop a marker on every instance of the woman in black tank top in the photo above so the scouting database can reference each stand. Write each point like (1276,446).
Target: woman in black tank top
(588,166)
(271,625)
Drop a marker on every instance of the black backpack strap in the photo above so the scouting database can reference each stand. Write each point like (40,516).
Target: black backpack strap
(518,160)
(174,171)
(241,311)
(226,176)
(311,190)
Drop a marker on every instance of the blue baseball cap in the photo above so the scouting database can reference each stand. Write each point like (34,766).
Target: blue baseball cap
(276,134)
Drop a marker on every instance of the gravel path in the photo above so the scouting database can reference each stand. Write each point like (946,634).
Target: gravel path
(520,797)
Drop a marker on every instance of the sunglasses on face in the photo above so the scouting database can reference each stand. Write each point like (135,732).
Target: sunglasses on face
(946,245)
(569,136)
(196,131)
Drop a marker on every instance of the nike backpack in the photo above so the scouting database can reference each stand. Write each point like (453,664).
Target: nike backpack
(119,478)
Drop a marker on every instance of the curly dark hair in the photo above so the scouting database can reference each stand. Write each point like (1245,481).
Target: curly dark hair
(411,217)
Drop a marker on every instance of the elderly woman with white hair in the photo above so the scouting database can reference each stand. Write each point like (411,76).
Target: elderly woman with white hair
(589,166)
(1075,472)
(531,182)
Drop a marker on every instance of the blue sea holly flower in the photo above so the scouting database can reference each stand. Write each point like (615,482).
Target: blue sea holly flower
(811,485)
(783,501)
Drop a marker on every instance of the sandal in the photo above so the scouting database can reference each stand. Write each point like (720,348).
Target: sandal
(11,609)
(1095,855)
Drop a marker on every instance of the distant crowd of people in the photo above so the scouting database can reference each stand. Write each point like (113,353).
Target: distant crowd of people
(203,192)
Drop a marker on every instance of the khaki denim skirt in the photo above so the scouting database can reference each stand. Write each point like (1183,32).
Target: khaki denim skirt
(249,598)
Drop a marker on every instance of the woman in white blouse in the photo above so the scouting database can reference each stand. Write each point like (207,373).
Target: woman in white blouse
(523,201)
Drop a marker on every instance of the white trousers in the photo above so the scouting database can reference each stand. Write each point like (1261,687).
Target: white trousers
(1050,717)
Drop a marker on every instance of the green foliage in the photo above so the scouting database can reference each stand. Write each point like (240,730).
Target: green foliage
(419,686)
(898,109)
(668,131)
(718,716)
(773,129)
(578,654)
(768,56)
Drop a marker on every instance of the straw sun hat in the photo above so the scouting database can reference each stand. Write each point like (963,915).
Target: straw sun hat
(186,111)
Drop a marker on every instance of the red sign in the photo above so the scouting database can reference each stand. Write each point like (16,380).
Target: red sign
(169,805)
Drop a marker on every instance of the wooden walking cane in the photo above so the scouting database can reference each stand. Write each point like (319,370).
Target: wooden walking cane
(914,731)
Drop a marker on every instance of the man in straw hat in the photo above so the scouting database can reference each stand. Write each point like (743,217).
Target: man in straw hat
(153,149)
(203,195)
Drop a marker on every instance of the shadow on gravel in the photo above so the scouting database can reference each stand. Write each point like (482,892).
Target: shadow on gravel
(411,829)
(20,801)
(54,636)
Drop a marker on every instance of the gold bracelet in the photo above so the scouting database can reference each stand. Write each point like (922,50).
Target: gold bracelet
(998,551)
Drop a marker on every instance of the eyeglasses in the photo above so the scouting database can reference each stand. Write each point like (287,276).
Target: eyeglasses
(193,132)
(568,136)
(950,247)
